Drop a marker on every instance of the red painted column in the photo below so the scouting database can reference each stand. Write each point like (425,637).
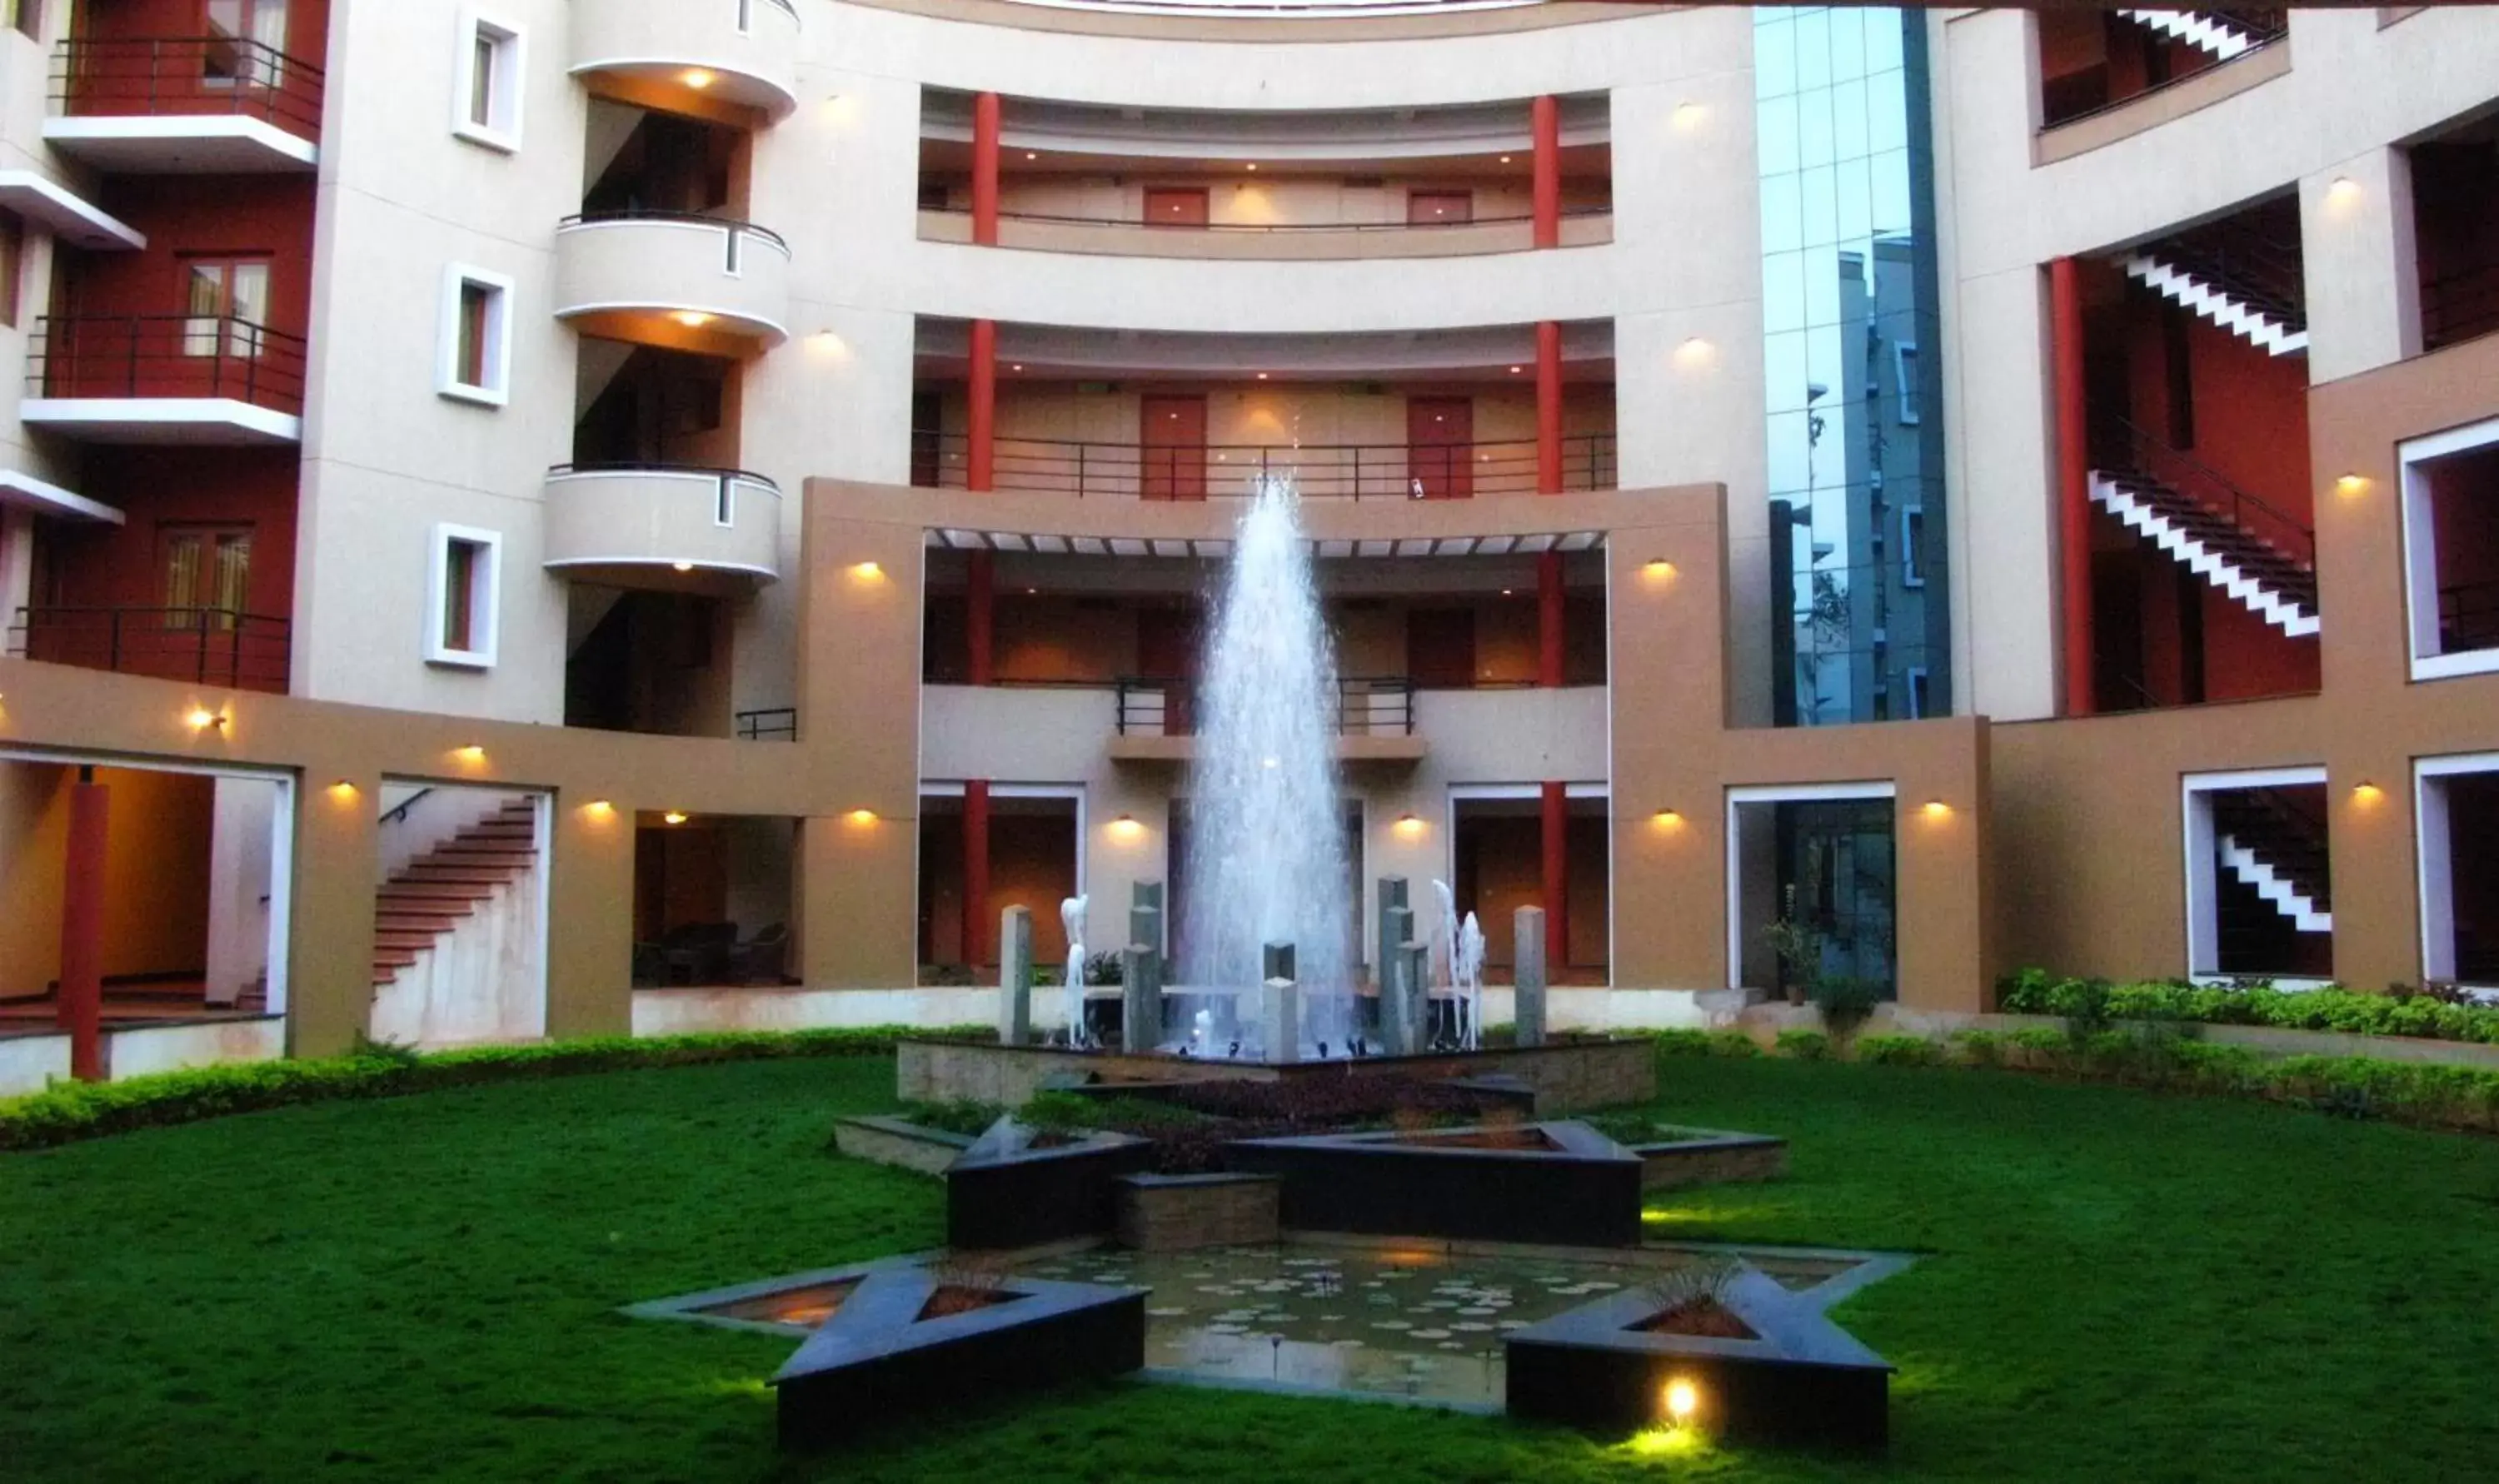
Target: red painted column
(1549,406)
(1545,124)
(985,170)
(2073,484)
(82,1003)
(976,872)
(981,421)
(1549,609)
(1557,880)
(980,607)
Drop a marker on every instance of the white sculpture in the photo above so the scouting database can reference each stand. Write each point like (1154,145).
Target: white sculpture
(1445,944)
(1071,916)
(1466,971)
(1202,1035)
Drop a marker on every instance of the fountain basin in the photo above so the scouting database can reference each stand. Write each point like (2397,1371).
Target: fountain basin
(1560,1183)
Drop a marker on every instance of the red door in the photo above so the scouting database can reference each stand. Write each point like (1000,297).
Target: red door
(1176,206)
(1171,447)
(1440,208)
(1440,446)
(1167,644)
(1441,648)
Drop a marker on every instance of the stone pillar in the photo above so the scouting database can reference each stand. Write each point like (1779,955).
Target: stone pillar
(1527,1015)
(1141,998)
(1392,898)
(1417,982)
(1276,961)
(1146,923)
(1279,1018)
(80,1008)
(1396,926)
(2073,484)
(1014,976)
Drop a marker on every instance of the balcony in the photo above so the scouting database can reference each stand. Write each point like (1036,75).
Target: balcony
(662,528)
(673,280)
(207,646)
(1377,471)
(1290,241)
(165,378)
(184,105)
(681,52)
(1156,720)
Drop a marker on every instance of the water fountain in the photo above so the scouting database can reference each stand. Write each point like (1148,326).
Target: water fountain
(1266,855)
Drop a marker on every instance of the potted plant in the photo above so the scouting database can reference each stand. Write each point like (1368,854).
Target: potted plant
(1797,943)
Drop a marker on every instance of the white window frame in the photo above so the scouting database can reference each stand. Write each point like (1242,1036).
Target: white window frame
(2435,856)
(1916,684)
(499,332)
(1913,546)
(508,85)
(1905,389)
(2204,891)
(486,604)
(2421,552)
(1740,795)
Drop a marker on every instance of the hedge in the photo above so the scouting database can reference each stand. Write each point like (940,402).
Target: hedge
(2160,1056)
(2036,992)
(72,1111)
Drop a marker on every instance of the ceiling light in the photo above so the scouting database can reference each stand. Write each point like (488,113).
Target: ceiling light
(697,78)
(683,567)
(692,319)
(674,817)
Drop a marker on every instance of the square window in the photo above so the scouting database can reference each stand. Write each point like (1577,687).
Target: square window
(1904,370)
(2450,515)
(476,356)
(486,97)
(461,608)
(26,18)
(1913,546)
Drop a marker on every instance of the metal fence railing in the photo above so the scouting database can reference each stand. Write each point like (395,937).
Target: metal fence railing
(1322,471)
(1367,706)
(154,76)
(166,356)
(208,646)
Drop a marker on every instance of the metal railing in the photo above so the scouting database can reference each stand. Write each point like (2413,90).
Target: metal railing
(2468,616)
(1367,706)
(1256,228)
(2263,27)
(2119,445)
(2255,266)
(209,646)
(774,724)
(155,77)
(1324,471)
(736,230)
(166,356)
(2460,306)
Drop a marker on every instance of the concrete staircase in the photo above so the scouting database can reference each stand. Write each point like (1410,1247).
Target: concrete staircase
(2277,851)
(2258,577)
(2215,33)
(427,899)
(2277,328)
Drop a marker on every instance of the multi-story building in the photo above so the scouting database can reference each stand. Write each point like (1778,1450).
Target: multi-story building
(542,517)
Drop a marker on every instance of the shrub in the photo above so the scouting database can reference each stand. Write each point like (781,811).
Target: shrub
(1899,1050)
(1845,1003)
(1804,1044)
(1978,1047)
(2437,1013)
(1681,1041)
(74,1110)
(1733,1042)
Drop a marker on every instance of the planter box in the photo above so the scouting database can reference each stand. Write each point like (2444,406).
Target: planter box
(1002,1193)
(1710,1157)
(897,1142)
(1174,1213)
(876,1360)
(1576,1188)
(1802,1379)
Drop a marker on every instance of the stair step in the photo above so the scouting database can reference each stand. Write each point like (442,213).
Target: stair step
(395,958)
(432,891)
(395,938)
(427,928)
(454,872)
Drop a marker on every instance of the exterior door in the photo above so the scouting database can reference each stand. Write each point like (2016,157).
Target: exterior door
(1171,446)
(1440,208)
(1441,648)
(1167,644)
(1439,447)
(1176,206)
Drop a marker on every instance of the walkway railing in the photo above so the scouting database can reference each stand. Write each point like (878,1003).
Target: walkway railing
(208,646)
(1367,706)
(1257,228)
(1324,471)
(155,77)
(2119,446)
(777,724)
(166,356)
(2460,306)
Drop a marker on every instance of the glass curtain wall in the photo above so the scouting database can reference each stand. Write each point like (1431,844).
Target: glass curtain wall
(1861,628)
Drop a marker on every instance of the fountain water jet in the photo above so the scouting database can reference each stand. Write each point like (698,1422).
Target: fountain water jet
(1266,848)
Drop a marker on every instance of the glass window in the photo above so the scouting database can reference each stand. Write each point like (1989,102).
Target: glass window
(206,575)
(245,38)
(228,293)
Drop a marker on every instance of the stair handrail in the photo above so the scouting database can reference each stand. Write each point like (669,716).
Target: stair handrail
(2199,481)
(2225,258)
(399,816)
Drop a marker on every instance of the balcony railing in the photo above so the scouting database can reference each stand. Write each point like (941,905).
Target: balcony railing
(2459,307)
(167,356)
(2081,95)
(738,231)
(156,77)
(1324,471)
(1367,706)
(208,646)
(2468,617)
(777,724)
(1254,227)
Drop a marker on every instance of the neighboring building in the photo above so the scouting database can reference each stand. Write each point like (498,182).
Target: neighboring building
(561,516)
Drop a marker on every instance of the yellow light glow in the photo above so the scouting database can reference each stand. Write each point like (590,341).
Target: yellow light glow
(201,718)
(471,754)
(1666,819)
(343,791)
(862,816)
(598,808)
(1658,569)
(1410,826)
(674,817)
(1251,166)
(682,567)
(1696,354)
(867,571)
(692,319)
(1517,371)
(2343,193)
(1937,809)
(1682,1400)
(2367,794)
(1126,827)
(2350,485)
(697,78)
(1505,159)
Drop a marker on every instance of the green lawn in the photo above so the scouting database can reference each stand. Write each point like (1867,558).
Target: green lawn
(2119,1287)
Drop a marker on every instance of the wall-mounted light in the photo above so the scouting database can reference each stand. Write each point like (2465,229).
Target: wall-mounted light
(1410,826)
(2367,794)
(1667,818)
(343,791)
(692,319)
(473,754)
(1694,354)
(1031,155)
(1518,370)
(674,817)
(682,567)
(2344,191)
(867,571)
(1505,159)
(2350,485)
(862,817)
(1937,809)
(697,78)
(1682,1400)
(1016,366)
(599,809)
(1657,569)
(1251,166)
(201,718)
(1688,116)
(1126,827)
(1262,375)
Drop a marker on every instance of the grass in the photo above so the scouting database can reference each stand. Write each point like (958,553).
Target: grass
(2119,1286)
